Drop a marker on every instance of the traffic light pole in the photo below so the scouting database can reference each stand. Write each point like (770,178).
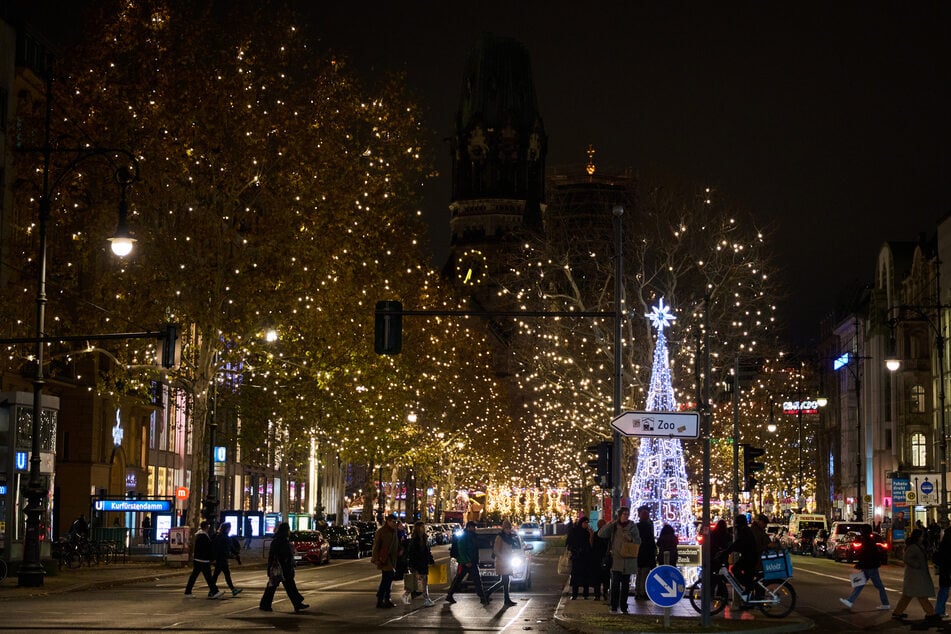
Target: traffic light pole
(618,211)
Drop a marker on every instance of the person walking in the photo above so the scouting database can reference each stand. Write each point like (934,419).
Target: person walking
(620,532)
(385,555)
(600,564)
(916,581)
(420,558)
(248,531)
(507,545)
(667,544)
(647,555)
(466,551)
(280,570)
(147,529)
(578,544)
(943,560)
(221,546)
(869,563)
(201,563)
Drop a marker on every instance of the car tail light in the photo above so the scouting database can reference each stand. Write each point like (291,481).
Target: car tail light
(856,545)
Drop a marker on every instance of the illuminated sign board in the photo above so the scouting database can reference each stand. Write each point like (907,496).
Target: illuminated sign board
(841,362)
(221,453)
(808,407)
(134,506)
(22,461)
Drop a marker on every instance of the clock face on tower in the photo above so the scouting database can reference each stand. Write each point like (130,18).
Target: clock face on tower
(470,267)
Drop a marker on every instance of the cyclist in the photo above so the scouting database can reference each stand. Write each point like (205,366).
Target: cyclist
(744,545)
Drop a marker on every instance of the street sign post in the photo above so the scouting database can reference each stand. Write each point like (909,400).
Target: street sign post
(666,424)
(665,586)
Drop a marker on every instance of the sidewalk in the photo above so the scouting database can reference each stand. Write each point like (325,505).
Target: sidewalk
(594,617)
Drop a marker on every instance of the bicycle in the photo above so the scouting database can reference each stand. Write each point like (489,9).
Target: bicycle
(775,598)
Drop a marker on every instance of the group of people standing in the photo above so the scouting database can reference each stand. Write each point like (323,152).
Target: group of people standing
(601,560)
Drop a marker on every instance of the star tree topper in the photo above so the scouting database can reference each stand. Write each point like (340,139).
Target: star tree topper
(660,316)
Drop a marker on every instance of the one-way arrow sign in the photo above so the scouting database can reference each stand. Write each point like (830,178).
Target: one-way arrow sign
(667,424)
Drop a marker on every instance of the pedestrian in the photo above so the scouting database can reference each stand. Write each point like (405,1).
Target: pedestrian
(744,545)
(386,553)
(578,544)
(620,533)
(201,562)
(667,544)
(719,539)
(147,529)
(600,563)
(248,531)
(869,563)
(916,581)
(506,546)
(221,545)
(280,570)
(79,528)
(420,559)
(647,555)
(466,551)
(943,559)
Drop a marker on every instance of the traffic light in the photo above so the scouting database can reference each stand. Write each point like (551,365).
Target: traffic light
(171,352)
(751,466)
(388,333)
(602,463)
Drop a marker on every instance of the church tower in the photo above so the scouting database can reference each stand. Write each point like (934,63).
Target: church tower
(498,156)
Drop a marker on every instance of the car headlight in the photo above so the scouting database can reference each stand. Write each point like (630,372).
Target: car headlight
(516,561)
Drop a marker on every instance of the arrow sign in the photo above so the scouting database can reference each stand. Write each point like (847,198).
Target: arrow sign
(665,586)
(667,424)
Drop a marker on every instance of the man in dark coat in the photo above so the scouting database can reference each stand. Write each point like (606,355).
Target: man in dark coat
(221,545)
(647,555)
(201,563)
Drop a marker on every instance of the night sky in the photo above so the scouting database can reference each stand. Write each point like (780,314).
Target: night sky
(830,119)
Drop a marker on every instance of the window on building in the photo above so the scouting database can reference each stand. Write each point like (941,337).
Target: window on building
(919,450)
(917,399)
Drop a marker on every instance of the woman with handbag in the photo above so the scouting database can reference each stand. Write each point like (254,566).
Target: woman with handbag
(867,565)
(420,558)
(280,569)
(625,541)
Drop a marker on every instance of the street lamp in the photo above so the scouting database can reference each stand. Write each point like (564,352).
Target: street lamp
(31,572)
(893,363)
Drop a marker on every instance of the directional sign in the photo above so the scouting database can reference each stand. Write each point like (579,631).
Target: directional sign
(926,487)
(665,586)
(670,424)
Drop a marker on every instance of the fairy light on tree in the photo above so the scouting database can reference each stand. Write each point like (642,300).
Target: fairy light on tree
(660,479)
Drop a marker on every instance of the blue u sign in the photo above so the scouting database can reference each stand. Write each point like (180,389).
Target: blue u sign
(22,461)
(665,586)
(221,454)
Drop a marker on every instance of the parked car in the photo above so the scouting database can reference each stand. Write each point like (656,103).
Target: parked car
(310,547)
(849,547)
(839,530)
(521,562)
(365,533)
(530,531)
(344,541)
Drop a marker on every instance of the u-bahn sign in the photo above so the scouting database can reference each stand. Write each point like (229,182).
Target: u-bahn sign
(667,424)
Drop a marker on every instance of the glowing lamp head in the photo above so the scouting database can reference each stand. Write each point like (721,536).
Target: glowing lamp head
(122,245)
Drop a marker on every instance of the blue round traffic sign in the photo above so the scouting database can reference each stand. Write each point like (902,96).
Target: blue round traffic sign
(665,586)
(927,487)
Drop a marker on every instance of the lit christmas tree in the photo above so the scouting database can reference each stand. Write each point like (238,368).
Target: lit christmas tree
(660,480)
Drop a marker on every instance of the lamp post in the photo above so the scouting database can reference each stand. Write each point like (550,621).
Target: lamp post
(31,572)
(210,511)
(893,364)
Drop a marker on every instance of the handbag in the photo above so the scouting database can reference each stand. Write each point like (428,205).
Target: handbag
(858,579)
(629,550)
(564,564)
(274,574)
(409,582)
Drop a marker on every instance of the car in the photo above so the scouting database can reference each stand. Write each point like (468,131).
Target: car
(437,534)
(366,531)
(839,529)
(775,532)
(344,541)
(530,531)
(848,547)
(310,547)
(521,578)
(801,544)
